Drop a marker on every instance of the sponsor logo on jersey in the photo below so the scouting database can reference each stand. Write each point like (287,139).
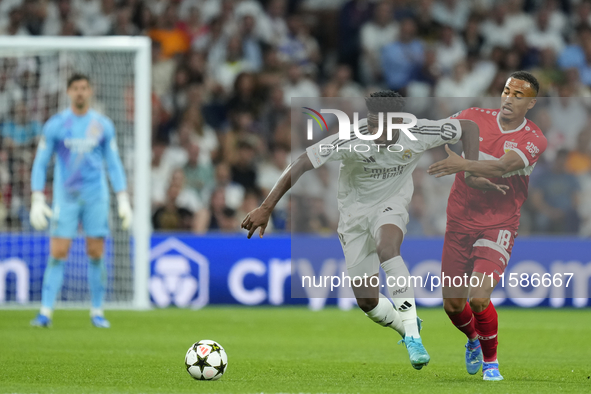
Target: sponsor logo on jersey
(384,173)
(532,149)
(509,145)
(407,154)
(80,145)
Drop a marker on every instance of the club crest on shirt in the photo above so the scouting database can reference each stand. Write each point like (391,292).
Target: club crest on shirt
(510,146)
(94,130)
(407,154)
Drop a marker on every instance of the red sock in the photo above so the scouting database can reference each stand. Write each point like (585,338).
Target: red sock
(465,322)
(487,326)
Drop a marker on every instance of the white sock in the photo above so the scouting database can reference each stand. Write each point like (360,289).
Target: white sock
(385,315)
(46,311)
(403,296)
(96,312)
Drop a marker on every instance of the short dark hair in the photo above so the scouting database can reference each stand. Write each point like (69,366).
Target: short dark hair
(527,77)
(77,77)
(384,101)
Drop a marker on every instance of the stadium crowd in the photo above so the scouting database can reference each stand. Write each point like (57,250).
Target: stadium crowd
(224,73)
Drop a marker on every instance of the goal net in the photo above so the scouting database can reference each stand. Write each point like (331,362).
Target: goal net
(33,79)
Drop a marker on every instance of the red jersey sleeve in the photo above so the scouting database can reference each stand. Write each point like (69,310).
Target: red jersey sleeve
(531,145)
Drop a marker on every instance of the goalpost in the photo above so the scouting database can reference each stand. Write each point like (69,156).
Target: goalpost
(33,75)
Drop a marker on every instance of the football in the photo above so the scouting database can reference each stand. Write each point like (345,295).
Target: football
(206,360)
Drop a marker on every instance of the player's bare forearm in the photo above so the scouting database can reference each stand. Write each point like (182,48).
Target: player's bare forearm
(259,217)
(455,163)
(511,161)
(470,139)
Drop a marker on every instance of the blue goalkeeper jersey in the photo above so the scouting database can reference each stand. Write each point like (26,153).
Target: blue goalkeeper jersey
(83,144)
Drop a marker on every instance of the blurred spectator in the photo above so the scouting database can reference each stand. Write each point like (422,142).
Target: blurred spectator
(199,175)
(555,198)
(21,131)
(496,30)
(450,50)
(299,47)
(343,81)
(245,95)
(268,173)
(243,170)
(233,192)
(473,39)
(228,63)
(578,55)
(13,25)
(193,25)
(272,27)
(171,217)
(219,217)
(543,36)
(578,161)
(122,25)
(296,85)
(172,39)
(452,13)
(375,34)
(188,197)
(569,117)
(401,58)
(352,16)
(272,113)
(427,27)
(163,69)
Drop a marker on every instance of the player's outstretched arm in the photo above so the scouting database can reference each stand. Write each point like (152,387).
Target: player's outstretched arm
(259,217)
(509,162)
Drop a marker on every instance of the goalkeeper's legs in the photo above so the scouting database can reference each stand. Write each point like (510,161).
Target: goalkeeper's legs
(52,280)
(97,280)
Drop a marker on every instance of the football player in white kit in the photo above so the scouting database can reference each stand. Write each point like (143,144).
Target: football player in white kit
(375,188)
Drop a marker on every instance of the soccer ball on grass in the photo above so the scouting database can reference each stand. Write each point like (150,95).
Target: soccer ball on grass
(206,360)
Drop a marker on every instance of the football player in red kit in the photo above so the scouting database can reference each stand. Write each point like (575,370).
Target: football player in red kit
(483,214)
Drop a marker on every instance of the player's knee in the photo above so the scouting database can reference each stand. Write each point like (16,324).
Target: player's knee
(59,252)
(387,252)
(95,253)
(453,306)
(367,304)
(479,304)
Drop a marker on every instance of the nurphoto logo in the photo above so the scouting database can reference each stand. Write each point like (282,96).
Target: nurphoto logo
(345,130)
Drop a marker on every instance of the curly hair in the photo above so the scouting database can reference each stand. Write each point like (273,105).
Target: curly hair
(384,101)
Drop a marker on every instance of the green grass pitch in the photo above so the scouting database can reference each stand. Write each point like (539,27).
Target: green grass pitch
(286,350)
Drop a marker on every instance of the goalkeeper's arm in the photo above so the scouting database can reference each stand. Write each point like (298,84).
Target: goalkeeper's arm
(118,180)
(40,211)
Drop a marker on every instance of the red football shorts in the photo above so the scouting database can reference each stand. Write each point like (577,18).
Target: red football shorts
(486,251)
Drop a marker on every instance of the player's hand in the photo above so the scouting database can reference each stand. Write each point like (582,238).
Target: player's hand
(453,164)
(124,208)
(254,219)
(40,211)
(480,183)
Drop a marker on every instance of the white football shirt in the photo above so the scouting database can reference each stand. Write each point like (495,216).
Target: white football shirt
(370,174)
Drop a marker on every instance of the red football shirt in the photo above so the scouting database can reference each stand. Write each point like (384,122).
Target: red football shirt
(470,209)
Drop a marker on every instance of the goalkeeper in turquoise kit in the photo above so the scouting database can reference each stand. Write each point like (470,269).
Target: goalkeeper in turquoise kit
(83,141)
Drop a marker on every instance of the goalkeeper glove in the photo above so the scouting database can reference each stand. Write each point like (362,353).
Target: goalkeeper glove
(125,212)
(40,211)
